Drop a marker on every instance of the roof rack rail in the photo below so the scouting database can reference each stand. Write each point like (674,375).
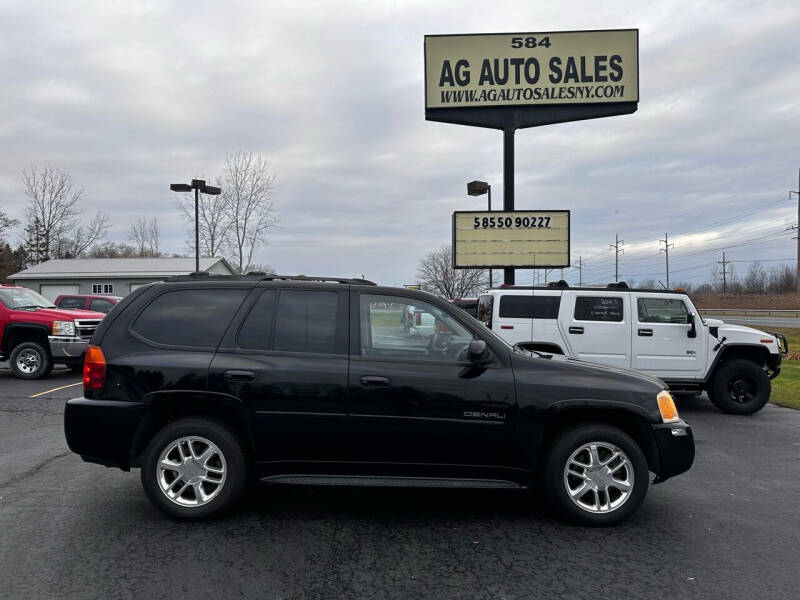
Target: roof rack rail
(350,280)
(260,276)
(621,285)
(558,284)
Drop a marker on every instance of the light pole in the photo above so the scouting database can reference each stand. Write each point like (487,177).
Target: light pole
(198,185)
(479,188)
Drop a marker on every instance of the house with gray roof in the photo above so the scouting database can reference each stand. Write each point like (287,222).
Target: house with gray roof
(108,276)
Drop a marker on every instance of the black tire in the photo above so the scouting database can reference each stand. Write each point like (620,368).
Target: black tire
(740,387)
(30,360)
(234,465)
(558,458)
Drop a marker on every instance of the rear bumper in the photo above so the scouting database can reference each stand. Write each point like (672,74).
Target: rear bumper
(67,349)
(675,444)
(102,431)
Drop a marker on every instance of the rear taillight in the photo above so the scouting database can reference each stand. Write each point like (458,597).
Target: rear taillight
(94,368)
(418,320)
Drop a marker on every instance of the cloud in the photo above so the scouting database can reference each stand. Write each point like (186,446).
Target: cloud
(129,97)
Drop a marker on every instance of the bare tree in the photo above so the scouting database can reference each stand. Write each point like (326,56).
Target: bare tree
(215,222)
(145,234)
(437,275)
(755,281)
(260,268)
(112,250)
(52,214)
(77,241)
(247,191)
(6,223)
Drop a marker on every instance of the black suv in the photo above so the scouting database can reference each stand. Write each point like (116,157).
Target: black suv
(206,381)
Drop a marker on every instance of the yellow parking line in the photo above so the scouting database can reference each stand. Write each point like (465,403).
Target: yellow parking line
(63,387)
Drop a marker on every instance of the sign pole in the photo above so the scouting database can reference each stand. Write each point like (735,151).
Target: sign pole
(508,182)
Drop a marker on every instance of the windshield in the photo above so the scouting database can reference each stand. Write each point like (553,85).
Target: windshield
(16,298)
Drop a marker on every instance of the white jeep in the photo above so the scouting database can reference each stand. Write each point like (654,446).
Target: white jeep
(657,332)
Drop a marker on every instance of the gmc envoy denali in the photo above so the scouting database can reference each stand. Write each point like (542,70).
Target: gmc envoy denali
(205,382)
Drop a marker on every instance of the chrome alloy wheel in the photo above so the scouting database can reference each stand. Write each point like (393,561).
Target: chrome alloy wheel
(191,471)
(598,477)
(28,361)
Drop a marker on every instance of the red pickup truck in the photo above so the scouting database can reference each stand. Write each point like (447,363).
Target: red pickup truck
(34,334)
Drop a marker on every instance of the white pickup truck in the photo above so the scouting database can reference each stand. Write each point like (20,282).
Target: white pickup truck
(658,332)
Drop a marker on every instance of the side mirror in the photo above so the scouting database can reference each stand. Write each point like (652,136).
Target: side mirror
(477,352)
(692,330)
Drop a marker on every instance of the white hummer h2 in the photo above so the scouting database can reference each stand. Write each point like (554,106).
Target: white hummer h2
(658,332)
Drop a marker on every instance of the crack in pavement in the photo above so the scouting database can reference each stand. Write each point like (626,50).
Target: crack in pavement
(35,469)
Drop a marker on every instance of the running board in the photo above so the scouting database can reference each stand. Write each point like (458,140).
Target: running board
(391,481)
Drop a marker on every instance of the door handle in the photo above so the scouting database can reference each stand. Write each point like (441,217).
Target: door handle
(236,375)
(576,330)
(374,381)
(646,332)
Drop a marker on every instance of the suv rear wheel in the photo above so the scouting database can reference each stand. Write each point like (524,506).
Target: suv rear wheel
(596,474)
(194,469)
(740,387)
(30,360)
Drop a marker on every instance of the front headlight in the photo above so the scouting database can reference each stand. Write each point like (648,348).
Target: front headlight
(666,406)
(66,328)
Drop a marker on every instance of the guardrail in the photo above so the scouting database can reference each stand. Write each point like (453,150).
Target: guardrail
(754,312)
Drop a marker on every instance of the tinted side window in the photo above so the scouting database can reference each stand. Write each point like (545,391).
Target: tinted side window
(256,332)
(529,307)
(485,305)
(306,321)
(662,310)
(102,305)
(598,308)
(195,318)
(71,303)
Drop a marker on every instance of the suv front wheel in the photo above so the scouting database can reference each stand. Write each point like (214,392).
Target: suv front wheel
(194,469)
(596,474)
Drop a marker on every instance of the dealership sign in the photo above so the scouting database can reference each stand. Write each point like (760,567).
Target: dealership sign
(511,239)
(528,69)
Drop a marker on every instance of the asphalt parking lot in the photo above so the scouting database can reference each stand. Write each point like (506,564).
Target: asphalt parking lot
(730,528)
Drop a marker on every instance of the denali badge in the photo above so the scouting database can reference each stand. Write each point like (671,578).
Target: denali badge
(485,415)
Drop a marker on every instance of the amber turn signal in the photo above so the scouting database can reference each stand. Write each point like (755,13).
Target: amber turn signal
(666,406)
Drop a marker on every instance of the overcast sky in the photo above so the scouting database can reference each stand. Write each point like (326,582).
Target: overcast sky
(131,96)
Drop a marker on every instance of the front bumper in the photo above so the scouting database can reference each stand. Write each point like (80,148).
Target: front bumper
(103,431)
(675,445)
(67,349)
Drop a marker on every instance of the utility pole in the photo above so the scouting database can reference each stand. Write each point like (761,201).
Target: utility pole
(797,267)
(617,246)
(665,250)
(724,264)
(579,266)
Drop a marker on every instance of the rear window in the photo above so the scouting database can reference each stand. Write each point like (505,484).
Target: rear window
(307,321)
(598,308)
(71,303)
(529,307)
(484,314)
(101,305)
(194,318)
